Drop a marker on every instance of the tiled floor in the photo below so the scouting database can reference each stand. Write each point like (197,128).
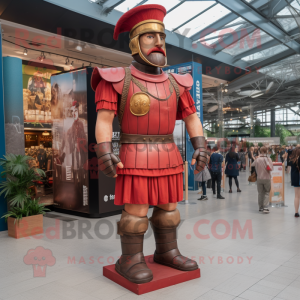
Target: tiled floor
(234,264)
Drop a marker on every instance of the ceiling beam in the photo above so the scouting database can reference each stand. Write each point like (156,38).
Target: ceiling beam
(141,3)
(197,15)
(245,80)
(284,17)
(273,9)
(252,16)
(234,38)
(109,9)
(176,6)
(264,46)
(273,59)
(219,24)
(292,110)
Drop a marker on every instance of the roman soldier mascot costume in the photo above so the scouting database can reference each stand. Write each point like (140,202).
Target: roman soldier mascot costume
(149,169)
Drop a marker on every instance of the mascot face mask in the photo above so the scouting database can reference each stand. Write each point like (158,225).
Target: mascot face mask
(152,49)
(147,33)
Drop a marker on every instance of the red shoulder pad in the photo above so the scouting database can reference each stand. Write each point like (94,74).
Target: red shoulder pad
(185,80)
(112,75)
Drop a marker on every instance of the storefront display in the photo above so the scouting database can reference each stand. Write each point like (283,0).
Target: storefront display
(37,111)
(37,94)
(38,144)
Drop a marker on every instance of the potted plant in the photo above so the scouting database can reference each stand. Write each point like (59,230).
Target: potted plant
(25,215)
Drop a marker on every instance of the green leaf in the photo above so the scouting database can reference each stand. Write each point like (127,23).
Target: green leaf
(18,200)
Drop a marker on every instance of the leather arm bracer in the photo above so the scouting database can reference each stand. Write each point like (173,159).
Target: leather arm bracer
(200,153)
(106,159)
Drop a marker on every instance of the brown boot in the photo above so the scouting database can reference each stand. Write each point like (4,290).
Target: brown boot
(131,264)
(164,224)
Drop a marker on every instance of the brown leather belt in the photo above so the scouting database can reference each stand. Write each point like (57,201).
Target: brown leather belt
(146,139)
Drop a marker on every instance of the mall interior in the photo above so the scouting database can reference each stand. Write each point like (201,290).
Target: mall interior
(60,233)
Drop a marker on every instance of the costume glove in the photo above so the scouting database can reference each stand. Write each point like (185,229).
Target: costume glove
(106,159)
(200,153)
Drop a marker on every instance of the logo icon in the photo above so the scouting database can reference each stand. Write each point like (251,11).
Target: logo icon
(39,258)
(105,198)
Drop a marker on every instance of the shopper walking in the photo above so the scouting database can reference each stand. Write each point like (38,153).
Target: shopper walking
(232,168)
(202,178)
(295,177)
(242,158)
(289,162)
(263,166)
(252,158)
(281,154)
(215,162)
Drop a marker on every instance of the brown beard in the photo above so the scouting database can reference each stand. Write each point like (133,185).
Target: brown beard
(156,58)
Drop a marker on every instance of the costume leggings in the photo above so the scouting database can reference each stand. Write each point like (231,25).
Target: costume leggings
(236,181)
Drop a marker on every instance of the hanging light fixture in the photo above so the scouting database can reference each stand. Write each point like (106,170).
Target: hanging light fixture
(45,133)
(72,63)
(83,65)
(90,64)
(67,61)
(25,51)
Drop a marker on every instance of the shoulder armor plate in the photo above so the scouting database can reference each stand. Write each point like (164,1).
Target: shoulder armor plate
(113,75)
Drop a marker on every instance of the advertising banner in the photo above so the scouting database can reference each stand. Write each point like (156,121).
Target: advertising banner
(79,185)
(272,141)
(70,143)
(277,184)
(37,96)
(292,140)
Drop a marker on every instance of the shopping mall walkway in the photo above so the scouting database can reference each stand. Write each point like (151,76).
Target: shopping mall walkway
(262,264)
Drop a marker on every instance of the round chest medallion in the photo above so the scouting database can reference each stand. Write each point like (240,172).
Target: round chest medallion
(139,104)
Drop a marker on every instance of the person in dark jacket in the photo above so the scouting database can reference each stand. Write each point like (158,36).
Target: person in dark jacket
(252,158)
(242,157)
(295,177)
(232,168)
(289,162)
(215,164)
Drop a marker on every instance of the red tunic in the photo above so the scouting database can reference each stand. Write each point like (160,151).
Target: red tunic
(152,173)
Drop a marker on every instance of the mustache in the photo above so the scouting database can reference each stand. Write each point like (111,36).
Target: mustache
(156,49)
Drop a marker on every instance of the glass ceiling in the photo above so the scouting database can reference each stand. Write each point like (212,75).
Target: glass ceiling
(259,38)
(288,23)
(129,4)
(207,18)
(265,53)
(213,37)
(198,15)
(185,12)
(287,69)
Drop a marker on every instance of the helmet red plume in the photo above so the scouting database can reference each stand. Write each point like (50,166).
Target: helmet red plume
(139,14)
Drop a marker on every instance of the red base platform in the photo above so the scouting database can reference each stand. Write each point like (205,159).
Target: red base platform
(163,276)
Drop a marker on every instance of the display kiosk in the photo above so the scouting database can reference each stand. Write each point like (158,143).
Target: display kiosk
(79,188)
